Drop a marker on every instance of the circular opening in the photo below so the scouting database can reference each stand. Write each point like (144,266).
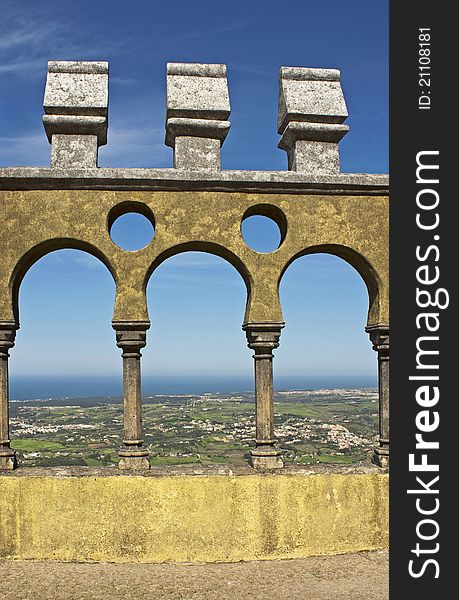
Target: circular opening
(132,231)
(263,228)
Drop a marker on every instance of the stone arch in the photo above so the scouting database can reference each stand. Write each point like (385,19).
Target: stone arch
(367,272)
(208,248)
(34,254)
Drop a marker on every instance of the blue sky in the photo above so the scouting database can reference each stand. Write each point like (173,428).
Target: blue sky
(324,300)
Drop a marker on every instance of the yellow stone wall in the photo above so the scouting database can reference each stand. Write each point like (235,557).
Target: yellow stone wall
(354,227)
(206,518)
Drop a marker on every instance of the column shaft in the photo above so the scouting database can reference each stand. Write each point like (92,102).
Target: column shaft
(131,337)
(263,338)
(132,399)
(7,454)
(379,336)
(264,403)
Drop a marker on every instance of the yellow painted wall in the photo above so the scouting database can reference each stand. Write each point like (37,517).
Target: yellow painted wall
(356,228)
(196,518)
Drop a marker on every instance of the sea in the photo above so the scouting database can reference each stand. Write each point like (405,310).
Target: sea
(28,387)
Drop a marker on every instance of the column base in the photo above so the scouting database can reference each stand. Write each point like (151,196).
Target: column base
(381,457)
(133,459)
(134,463)
(261,459)
(8,461)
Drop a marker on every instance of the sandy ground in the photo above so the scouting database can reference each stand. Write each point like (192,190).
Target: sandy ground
(362,576)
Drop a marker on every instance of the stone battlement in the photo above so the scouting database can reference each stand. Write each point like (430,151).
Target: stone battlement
(310,116)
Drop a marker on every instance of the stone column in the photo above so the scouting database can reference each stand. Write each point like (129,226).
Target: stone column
(76,107)
(131,337)
(311,112)
(379,336)
(7,454)
(263,338)
(198,107)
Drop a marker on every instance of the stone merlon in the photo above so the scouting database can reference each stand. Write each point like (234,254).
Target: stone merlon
(76,112)
(311,112)
(197,110)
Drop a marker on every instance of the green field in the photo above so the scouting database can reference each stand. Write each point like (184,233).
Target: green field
(36,445)
(312,427)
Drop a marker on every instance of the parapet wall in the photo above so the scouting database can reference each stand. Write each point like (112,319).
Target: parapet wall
(92,516)
(89,515)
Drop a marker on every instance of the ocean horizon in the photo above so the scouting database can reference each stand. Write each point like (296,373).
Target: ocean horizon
(29,387)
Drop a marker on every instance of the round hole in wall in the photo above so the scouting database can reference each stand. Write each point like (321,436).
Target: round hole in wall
(263,228)
(131,225)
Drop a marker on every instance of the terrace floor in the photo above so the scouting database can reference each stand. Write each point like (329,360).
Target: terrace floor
(362,576)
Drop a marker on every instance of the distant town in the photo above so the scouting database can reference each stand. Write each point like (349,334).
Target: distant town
(312,426)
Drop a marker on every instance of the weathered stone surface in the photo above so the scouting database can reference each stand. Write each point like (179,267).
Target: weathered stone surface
(73,149)
(197,91)
(199,128)
(203,518)
(312,132)
(311,110)
(318,157)
(266,462)
(76,107)
(196,117)
(197,153)
(82,125)
(353,226)
(134,463)
(74,178)
(311,95)
(76,88)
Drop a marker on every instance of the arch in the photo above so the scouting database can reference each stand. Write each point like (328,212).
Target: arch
(358,262)
(209,248)
(196,346)
(326,346)
(40,250)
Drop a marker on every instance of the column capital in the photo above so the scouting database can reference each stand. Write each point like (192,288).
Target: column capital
(263,338)
(7,336)
(131,336)
(379,337)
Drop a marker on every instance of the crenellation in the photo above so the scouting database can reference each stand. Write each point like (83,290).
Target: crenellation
(76,112)
(311,112)
(310,116)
